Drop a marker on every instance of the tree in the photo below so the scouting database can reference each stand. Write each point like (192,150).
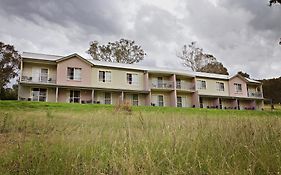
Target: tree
(274,2)
(122,51)
(216,68)
(191,55)
(9,64)
(196,60)
(244,74)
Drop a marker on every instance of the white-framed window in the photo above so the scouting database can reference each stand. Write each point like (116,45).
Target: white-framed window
(107,98)
(201,84)
(74,96)
(74,73)
(220,86)
(238,87)
(39,94)
(179,101)
(132,79)
(105,76)
(160,100)
(135,99)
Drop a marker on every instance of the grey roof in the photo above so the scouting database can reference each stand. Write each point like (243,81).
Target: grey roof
(252,81)
(39,56)
(211,75)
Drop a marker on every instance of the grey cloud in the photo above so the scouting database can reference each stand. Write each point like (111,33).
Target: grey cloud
(243,34)
(92,15)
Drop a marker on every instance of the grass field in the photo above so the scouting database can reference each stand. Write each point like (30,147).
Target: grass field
(49,138)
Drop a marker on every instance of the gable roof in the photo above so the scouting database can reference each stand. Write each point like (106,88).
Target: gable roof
(74,55)
(247,80)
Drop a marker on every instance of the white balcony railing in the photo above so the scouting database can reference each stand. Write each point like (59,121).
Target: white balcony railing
(39,78)
(255,94)
(162,85)
(185,86)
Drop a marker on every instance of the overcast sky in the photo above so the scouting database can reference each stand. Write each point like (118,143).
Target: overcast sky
(242,34)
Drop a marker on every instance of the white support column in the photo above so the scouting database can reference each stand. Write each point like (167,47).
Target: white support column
(57,94)
(93,95)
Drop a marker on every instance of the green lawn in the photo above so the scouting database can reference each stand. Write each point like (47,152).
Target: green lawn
(56,138)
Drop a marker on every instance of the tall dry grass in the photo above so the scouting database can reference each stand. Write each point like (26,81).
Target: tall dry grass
(44,140)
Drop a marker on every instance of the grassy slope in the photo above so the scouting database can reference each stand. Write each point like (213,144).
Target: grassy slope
(50,138)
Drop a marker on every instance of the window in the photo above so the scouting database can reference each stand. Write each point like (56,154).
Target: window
(105,76)
(107,98)
(179,101)
(39,94)
(74,96)
(135,100)
(132,79)
(160,100)
(220,86)
(201,84)
(74,73)
(238,87)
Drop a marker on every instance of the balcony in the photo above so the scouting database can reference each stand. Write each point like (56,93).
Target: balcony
(162,85)
(185,86)
(39,78)
(255,94)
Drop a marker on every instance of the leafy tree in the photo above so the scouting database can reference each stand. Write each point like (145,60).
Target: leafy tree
(272,89)
(215,67)
(244,74)
(9,64)
(9,93)
(122,51)
(196,60)
(274,2)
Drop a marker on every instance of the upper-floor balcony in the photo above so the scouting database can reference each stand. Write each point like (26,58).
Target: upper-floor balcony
(255,94)
(185,86)
(39,78)
(162,85)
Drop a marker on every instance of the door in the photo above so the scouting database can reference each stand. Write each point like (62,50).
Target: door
(160,100)
(220,102)
(107,98)
(160,82)
(44,75)
(179,101)
(201,102)
(74,96)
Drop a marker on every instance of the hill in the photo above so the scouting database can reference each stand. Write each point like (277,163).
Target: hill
(55,138)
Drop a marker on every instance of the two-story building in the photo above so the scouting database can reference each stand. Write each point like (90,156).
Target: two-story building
(74,79)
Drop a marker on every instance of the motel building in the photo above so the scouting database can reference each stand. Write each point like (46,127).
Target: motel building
(74,79)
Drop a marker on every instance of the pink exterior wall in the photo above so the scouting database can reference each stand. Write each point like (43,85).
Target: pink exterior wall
(195,99)
(146,81)
(77,63)
(232,91)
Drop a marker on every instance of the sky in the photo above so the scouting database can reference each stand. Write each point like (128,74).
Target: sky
(242,34)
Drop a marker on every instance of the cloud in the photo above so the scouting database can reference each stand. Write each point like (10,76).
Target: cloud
(242,34)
